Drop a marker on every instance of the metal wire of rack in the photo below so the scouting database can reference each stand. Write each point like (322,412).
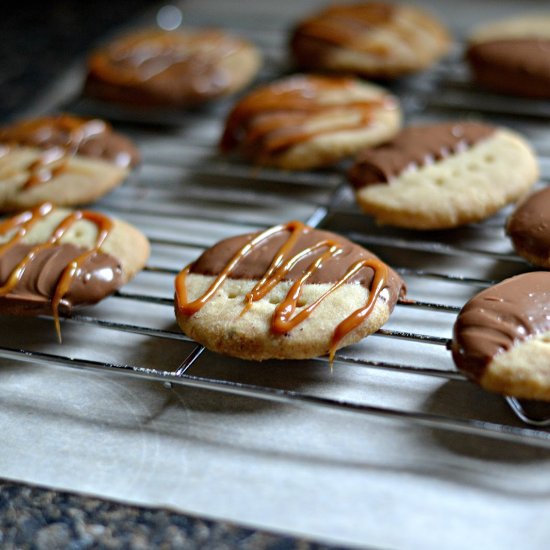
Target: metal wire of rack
(186,197)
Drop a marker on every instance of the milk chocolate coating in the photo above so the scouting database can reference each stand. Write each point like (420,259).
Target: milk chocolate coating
(415,146)
(337,26)
(99,276)
(159,68)
(519,66)
(90,138)
(254,265)
(498,318)
(529,226)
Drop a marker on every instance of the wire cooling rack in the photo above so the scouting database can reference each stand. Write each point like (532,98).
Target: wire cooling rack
(186,197)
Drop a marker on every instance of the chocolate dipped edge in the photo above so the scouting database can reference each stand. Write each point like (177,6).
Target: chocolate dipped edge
(99,276)
(499,317)
(254,265)
(516,66)
(415,147)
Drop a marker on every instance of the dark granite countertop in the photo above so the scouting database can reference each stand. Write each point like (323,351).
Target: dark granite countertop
(38,43)
(31,517)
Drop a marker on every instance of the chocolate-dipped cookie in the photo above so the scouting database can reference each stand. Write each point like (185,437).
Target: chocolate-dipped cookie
(529,228)
(155,68)
(370,39)
(63,159)
(54,259)
(289,292)
(308,121)
(443,175)
(513,56)
(502,337)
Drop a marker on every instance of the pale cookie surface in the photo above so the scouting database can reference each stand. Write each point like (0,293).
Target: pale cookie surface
(512,56)
(290,292)
(444,175)
(529,228)
(308,121)
(155,68)
(371,39)
(63,159)
(502,337)
(54,259)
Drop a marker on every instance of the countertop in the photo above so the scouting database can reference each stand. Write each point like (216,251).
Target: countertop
(32,517)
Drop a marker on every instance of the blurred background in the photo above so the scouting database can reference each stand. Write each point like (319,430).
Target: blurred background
(41,39)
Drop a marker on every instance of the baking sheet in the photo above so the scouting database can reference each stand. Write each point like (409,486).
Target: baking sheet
(331,475)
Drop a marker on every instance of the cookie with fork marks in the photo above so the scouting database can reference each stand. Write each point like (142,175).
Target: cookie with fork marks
(289,292)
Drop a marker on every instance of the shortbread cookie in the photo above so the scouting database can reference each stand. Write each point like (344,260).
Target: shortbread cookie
(158,68)
(290,292)
(443,175)
(54,259)
(371,39)
(529,228)
(63,159)
(502,337)
(513,56)
(305,121)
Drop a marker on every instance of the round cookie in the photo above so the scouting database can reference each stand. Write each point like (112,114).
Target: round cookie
(513,56)
(501,337)
(290,292)
(63,159)
(529,228)
(54,259)
(370,39)
(443,175)
(155,68)
(308,121)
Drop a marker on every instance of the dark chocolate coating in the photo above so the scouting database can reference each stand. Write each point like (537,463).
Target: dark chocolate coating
(255,264)
(90,138)
(529,226)
(415,146)
(498,318)
(99,276)
(519,66)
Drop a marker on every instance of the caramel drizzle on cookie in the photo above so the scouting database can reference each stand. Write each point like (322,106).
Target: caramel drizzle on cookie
(24,222)
(137,59)
(284,317)
(276,117)
(53,160)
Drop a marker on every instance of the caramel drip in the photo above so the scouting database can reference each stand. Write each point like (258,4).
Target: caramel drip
(351,322)
(285,318)
(189,308)
(53,160)
(275,117)
(49,164)
(22,223)
(25,221)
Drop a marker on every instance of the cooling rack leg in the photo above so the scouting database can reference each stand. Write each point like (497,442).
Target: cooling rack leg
(186,364)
